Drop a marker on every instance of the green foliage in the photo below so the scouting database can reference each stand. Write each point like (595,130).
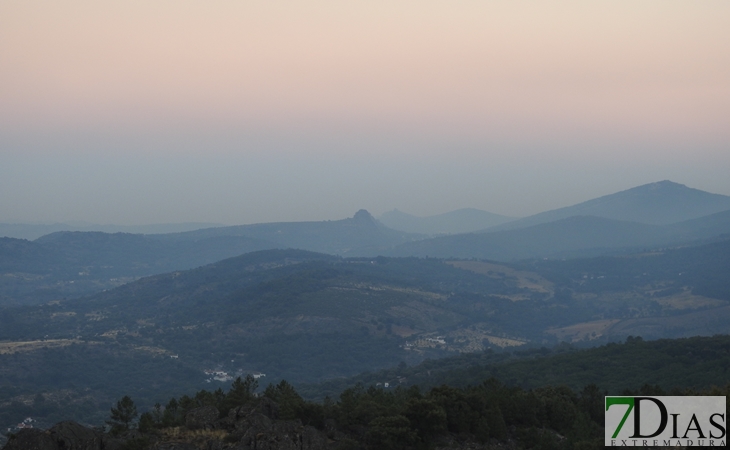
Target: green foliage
(549,417)
(142,443)
(146,422)
(173,414)
(122,416)
(291,404)
(426,417)
(390,433)
(347,316)
(240,393)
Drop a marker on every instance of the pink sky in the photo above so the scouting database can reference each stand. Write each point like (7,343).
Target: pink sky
(510,80)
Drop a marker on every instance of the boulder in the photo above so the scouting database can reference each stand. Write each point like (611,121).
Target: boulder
(31,439)
(284,435)
(204,418)
(264,406)
(268,407)
(73,436)
(175,446)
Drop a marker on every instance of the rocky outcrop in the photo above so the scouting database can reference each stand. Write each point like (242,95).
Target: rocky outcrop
(73,436)
(63,436)
(264,406)
(31,439)
(175,446)
(285,435)
(203,418)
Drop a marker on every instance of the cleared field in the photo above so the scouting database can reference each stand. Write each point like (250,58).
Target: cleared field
(29,346)
(687,300)
(153,350)
(583,331)
(467,340)
(524,279)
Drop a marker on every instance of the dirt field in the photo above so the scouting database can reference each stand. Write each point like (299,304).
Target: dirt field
(687,300)
(583,331)
(29,346)
(526,280)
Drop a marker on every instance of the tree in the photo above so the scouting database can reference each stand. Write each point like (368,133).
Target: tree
(146,422)
(291,404)
(390,433)
(172,416)
(241,392)
(123,415)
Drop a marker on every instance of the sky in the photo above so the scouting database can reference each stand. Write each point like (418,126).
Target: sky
(139,112)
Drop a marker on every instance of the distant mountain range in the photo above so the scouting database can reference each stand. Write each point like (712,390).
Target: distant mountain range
(656,214)
(570,237)
(465,220)
(660,203)
(73,263)
(70,264)
(356,236)
(32,231)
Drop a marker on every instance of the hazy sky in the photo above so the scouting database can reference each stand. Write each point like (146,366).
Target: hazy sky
(134,112)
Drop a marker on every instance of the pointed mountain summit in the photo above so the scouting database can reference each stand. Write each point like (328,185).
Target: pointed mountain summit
(464,220)
(363,217)
(661,203)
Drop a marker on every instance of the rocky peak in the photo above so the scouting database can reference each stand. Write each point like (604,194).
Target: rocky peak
(363,217)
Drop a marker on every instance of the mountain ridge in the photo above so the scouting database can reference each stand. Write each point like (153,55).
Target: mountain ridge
(465,220)
(568,237)
(661,203)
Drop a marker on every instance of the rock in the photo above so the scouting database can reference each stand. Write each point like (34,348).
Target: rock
(112,443)
(313,439)
(239,412)
(214,445)
(204,418)
(264,406)
(286,435)
(253,423)
(73,436)
(175,446)
(31,439)
(268,407)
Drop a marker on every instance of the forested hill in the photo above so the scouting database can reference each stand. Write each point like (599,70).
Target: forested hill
(73,264)
(474,411)
(572,237)
(308,317)
(667,364)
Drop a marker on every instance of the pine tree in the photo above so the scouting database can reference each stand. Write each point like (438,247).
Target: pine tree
(123,415)
(241,392)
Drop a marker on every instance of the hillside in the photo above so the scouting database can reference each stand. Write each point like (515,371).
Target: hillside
(660,203)
(580,235)
(577,236)
(71,264)
(308,317)
(527,399)
(31,231)
(465,220)
(668,364)
(360,235)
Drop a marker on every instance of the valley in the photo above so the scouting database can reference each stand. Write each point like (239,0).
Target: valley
(86,318)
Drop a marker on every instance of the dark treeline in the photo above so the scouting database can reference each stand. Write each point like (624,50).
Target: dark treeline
(412,418)
(696,362)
